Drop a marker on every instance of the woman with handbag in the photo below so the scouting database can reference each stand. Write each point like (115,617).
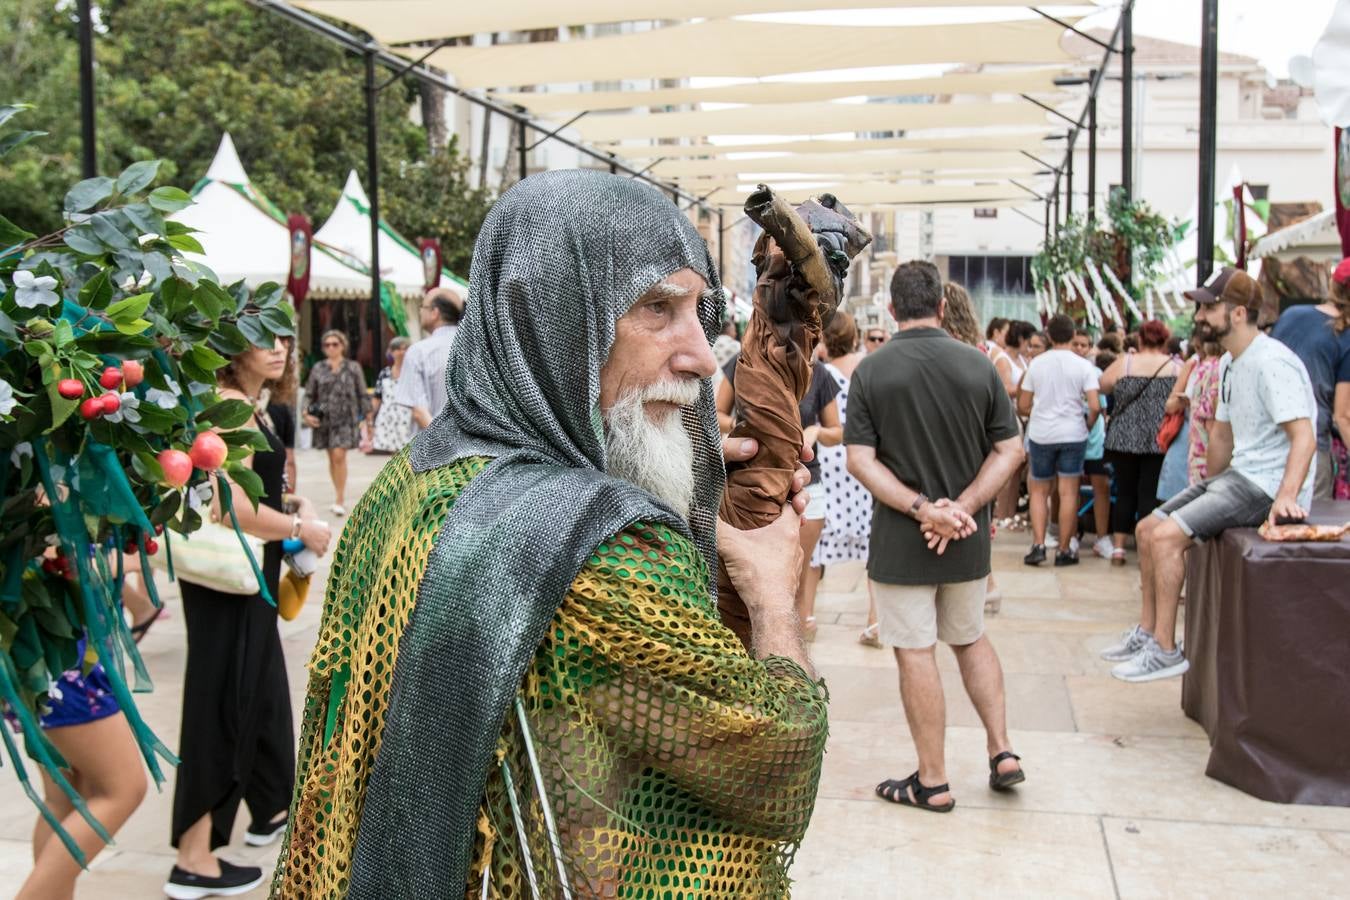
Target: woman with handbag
(237,740)
(336,407)
(1139,383)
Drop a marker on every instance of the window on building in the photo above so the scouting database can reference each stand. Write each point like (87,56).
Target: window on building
(991,275)
(986,212)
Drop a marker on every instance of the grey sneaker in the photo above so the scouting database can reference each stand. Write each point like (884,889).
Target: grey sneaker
(1152,664)
(1131,642)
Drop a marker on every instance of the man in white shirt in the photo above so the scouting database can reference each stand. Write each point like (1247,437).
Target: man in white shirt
(1260,454)
(1054,389)
(421,385)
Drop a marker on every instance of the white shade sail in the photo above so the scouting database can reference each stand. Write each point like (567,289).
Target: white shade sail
(808,118)
(748,49)
(403,21)
(909,164)
(1024,81)
(872,193)
(246,238)
(993,140)
(347,232)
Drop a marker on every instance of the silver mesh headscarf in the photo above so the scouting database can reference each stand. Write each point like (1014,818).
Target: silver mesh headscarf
(559,259)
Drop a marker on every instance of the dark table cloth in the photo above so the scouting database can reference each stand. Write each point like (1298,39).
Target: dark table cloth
(1268,639)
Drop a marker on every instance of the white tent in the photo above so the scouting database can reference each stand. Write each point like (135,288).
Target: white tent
(245,236)
(347,233)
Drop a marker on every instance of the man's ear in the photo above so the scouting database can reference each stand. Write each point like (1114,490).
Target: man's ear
(942,308)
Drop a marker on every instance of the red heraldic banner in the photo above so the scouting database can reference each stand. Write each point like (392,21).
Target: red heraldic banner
(430,249)
(1343,188)
(302,242)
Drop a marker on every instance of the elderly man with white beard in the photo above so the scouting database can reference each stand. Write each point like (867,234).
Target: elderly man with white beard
(522,686)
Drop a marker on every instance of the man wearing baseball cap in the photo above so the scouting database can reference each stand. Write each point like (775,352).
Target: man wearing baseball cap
(1317,335)
(1260,454)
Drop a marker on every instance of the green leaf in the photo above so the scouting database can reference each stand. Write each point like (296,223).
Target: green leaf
(82,240)
(207,358)
(278,322)
(61,407)
(226,414)
(228,339)
(185,242)
(211,300)
(105,226)
(37,348)
(135,326)
(88,194)
(147,467)
(247,479)
(144,217)
(97,291)
(63,334)
(170,199)
(11,234)
(8,111)
(16,140)
(137,176)
(253,329)
(246,437)
(130,308)
(165,509)
(172,227)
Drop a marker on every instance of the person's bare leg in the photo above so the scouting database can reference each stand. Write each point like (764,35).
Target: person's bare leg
(135,598)
(1068,511)
(1143,540)
(194,849)
(982,674)
(337,468)
(871,606)
(1040,509)
(1101,505)
(58,803)
(1169,544)
(108,764)
(926,712)
(810,578)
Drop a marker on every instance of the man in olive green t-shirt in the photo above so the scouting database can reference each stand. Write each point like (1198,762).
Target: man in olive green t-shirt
(932,434)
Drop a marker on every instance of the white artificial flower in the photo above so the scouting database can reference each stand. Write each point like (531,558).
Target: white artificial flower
(7,401)
(128,284)
(200,495)
(145,279)
(147,238)
(32,291)
(162,398)
(127,411)
(19,452)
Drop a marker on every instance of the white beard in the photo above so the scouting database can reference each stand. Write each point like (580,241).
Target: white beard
(656,456)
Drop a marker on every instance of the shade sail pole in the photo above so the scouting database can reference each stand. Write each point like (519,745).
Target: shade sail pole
(1209,90)
(373,179)
(89,150)
(1092,157)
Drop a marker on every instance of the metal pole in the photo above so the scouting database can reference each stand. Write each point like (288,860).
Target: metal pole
(1092,157)
(373,180)
(1068,185)
(721,247)
(1209,89)
(1047,220)
(89,161)
(1127,101)
(1056,210)
(523,151)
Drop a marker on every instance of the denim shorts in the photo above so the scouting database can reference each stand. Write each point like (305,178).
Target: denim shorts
(1206,509)
(1050,460)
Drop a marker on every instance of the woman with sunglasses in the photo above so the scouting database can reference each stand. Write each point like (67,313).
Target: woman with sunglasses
(336,407)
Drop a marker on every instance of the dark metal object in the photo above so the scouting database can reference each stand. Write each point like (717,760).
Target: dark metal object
(1127,100)
(373,179)
(554,132)
(1082,34)
(523,152)
(1034,158)
(1050,109)
(721,247)
(1209,90)
(89,150)
(1092,159)
(1068,190)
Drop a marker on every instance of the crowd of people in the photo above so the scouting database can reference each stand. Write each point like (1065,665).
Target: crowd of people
(605,660)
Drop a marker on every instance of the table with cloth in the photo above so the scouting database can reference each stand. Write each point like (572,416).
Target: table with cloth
(1266,635)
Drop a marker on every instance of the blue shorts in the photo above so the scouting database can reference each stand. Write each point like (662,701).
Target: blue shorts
(1049,461)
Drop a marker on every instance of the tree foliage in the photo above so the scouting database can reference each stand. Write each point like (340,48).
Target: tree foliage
(172,75)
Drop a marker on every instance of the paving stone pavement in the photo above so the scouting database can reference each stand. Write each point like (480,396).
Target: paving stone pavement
(1116,802)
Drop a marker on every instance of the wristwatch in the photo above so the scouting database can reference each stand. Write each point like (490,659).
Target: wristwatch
(919,501)
(295,526)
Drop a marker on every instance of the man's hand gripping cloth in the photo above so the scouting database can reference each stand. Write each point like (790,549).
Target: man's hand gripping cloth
(519,674)
(801,260)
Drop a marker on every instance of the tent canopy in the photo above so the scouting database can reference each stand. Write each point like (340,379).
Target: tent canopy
(245,236)
(347,233)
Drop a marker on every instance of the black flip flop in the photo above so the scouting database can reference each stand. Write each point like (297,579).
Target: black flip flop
(140,631)
(1004,781)
(898,792)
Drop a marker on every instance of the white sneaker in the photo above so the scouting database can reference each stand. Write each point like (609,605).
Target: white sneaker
(1103,546)
(1152,664)
(1131,642)
(1051,542)
(1073,545)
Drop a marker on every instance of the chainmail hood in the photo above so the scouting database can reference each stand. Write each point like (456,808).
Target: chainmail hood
(561,257)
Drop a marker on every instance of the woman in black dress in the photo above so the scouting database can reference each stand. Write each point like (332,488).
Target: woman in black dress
(237,740)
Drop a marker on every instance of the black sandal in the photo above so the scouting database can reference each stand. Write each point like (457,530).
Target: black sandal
(140,631)
(1004,781)
(898,792)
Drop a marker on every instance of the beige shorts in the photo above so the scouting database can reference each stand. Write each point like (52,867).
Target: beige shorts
(915,616)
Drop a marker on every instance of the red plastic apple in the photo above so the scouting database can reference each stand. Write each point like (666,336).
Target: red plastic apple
(133,373)
(208,451)
(151,546)
(111,377)
(91,408)
(111,402)
(177,467)
(70,388)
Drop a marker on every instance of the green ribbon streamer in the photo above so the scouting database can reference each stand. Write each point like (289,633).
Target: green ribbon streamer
(227,504)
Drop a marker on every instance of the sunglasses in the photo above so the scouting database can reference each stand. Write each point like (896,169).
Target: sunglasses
(876,339)
(332,343)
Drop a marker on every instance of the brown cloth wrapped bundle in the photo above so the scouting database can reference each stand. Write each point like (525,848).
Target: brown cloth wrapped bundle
(801,260)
